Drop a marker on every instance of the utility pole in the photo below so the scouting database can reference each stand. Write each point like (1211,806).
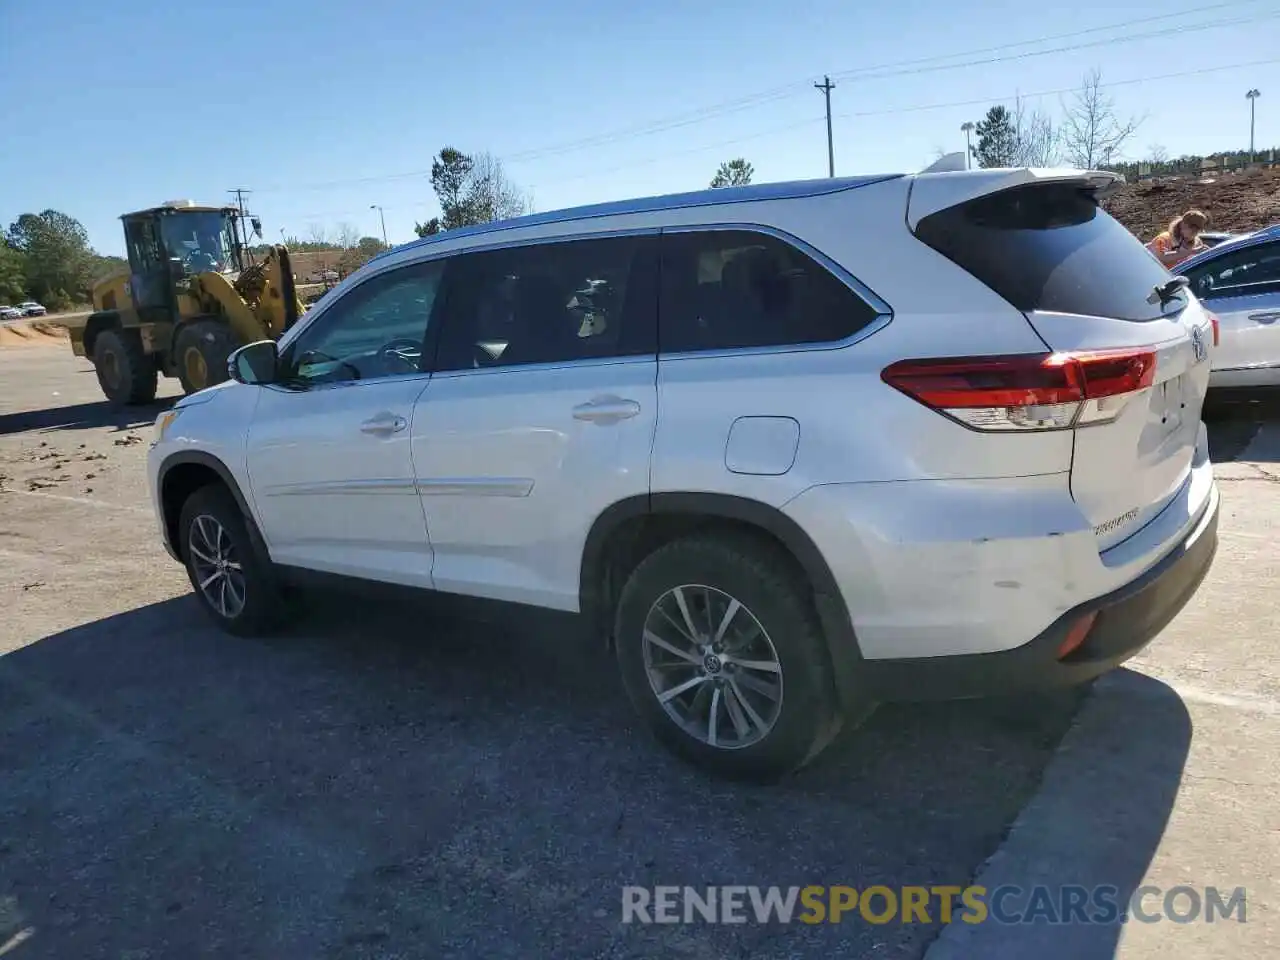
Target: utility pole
(1252,96)
(967,127)
(826,86)
(241,235)
(383,218)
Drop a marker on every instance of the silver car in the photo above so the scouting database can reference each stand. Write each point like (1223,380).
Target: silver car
(30,308)
(9,313)
(1239,280)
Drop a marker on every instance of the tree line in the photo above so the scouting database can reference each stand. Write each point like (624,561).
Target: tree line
(46,257)
(1089,132)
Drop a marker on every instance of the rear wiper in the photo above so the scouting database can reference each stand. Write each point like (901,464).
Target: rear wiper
(1164,292)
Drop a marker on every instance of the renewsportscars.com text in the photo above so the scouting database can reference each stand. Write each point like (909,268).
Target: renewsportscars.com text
(933,904)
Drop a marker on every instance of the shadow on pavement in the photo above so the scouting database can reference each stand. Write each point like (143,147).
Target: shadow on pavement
(1098,820)
(1233,419)
(85,416)
(397,780)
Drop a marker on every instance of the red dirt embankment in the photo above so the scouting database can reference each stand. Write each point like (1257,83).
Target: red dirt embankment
(1235,203)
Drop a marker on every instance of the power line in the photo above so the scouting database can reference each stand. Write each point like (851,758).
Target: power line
(772,131)
(1167,31)
(880,71)
(1050,38)
(1048,93)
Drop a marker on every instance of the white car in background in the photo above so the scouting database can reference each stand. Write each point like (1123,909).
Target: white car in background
(790,449)
(1239,281)
(30,308)
(10,313)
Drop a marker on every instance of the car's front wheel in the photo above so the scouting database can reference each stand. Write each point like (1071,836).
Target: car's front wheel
(229,571)
(722,654)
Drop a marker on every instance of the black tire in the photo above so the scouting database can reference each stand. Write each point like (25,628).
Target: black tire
(762,580)
(262,605)
(200,353)
(126,374)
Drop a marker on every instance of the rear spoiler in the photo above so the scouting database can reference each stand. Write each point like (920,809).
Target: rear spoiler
(933,190)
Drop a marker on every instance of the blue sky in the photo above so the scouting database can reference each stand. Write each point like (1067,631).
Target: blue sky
(324,108)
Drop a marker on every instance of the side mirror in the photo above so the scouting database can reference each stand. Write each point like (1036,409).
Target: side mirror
(256,362)
(177,269)
(257,227)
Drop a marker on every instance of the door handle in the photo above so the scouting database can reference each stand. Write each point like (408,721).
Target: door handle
(1270,316)
(384,424)
(606,410)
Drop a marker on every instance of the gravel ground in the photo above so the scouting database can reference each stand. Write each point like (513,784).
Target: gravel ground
(392,779)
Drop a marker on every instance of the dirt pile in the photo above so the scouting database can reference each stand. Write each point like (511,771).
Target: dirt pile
(1235,202)
(32,333)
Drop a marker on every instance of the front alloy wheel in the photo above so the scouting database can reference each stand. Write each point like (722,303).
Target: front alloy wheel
(218,572)
(712,666)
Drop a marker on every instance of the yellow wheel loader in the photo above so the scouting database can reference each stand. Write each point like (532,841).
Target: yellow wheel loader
(190,295)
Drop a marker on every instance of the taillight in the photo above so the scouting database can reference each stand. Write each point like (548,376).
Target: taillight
(1214,321)
(1056,391)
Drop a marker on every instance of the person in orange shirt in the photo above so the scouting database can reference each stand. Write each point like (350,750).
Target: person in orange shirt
(1181,240)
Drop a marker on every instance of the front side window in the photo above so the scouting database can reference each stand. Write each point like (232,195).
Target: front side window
(375,330)
(1248,272)
(729,289)
(553,302)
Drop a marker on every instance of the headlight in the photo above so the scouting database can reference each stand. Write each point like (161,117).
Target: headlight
(162,425)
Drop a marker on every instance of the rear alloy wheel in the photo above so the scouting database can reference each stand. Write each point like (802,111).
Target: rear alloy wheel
(229,571)
(201,350)
(721,652)
(712,666)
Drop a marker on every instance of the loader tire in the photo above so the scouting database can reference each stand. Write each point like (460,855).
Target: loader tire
(201,350)
(126,374)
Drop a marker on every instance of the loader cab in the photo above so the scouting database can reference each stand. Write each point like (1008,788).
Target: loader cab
(168,244)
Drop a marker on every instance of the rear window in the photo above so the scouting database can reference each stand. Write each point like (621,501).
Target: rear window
(1051,247)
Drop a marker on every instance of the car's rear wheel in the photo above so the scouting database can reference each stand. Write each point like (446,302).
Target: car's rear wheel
(229,571)
(722,654)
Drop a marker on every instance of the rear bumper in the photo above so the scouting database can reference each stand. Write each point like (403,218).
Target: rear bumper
(1127,619)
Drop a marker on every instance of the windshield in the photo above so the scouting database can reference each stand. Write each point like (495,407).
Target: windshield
(202,241)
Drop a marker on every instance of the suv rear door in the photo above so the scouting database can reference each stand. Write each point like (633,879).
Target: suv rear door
(1089,289)
(540,412)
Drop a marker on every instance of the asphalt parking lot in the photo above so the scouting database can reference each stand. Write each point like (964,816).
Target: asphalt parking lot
(409,780)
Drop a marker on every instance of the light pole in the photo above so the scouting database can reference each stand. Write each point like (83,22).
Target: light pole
(1252,96)
(967,127)
(381,217)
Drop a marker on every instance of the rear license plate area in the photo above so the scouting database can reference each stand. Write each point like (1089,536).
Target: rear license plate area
(1169,403)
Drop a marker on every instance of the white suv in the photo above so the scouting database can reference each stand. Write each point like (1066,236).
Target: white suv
(794,449)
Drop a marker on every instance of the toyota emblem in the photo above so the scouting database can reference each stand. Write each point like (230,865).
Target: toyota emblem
(1197,344)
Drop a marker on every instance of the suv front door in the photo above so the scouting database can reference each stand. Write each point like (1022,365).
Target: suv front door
(540,413)
(328,451)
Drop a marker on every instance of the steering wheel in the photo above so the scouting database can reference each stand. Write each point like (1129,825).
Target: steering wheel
(403,350)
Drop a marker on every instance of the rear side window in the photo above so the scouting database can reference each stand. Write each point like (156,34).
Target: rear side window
(727,289)
(551,303)
(1051,247)
(1241,273)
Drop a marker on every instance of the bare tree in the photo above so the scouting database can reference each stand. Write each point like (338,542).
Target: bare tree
(1092,133)
(348,235)
(1157,153)
(493,194)
(1035,137)
(317,233)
